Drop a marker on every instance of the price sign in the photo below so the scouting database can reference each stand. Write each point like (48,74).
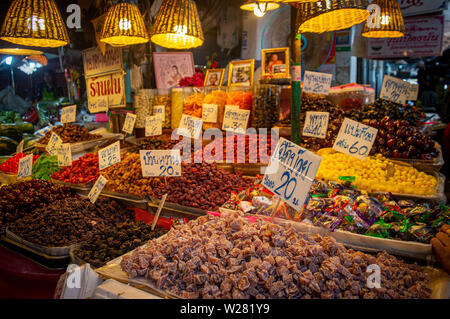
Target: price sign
(128,126)
(160,110)
(65,155)
(53,144)
(316,124)
(69,114)
(413,92)
(395,90)
(209,113)
(153,126)
(290,173)
(161,163)
(25,166)
(316,82)
(355,139)
(109,156)
(99,106)
(190,127)
(235,120)
(97,189)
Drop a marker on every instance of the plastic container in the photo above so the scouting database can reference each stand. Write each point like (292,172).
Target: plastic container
(143,105)
(177,107)
(266,112)
(351,96)
(215,97)
(163,98)
(241,96)
(193,101)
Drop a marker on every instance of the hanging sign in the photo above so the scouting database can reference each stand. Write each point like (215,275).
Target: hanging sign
(69,114)
(190,127)
(128,125)
(355,139)
(53,144)
(109,156)
(25,167)
(165,163)
(416,7)
(108,88)
(395,90)
(209,113)
(290,173)
(97,189)
(316,124)
(235,120)
(317,83)
(160,110)
(96,64)
(65,155)
(153,126)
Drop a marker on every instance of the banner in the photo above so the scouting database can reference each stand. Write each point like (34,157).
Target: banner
(416,7)
(109,88)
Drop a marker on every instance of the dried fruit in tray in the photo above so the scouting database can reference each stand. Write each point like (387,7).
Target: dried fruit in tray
(45,166)
(83,171)
(11,165)
(69,133)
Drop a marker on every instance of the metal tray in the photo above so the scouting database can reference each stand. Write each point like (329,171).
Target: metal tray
(176,209)
(81,187)
(434,165)
(7,178)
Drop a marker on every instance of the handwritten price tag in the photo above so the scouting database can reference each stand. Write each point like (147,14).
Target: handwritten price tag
(355,139)
(153,126)
(316,124)
(209,113)
(99,106)
(160,110)
(69,114)
(65,155)
(25,166)
(97,189)
(128,126)
(413,92)
(235,120)
(395,90)
(190,127)
(109,156)
(53,144)
(316,82)
(290,173)
(161,163)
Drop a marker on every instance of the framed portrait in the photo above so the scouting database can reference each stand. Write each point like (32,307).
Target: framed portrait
(171,67)
(214,77)
(240,73)
(275,63)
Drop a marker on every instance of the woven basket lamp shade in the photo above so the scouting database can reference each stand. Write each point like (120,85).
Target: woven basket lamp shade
(326,15)
(34,23)
(124,26)
(391,24)
(177,25)
(19,51)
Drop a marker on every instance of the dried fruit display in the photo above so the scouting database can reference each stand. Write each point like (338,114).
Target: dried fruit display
(83,171)
(267,109)
(227,257)
(218,98)
(45,166)
(11,165)
(193,105)
(69,133)
(165,100)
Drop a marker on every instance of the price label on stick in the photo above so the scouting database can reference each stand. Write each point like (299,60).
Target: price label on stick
(153,126)
(69,114)
(65,155)
(235,120)
(128,125)
(97,189)
(161,163)
(190,127)
(160,110)
(413,92)
(316,124)
(290,173)
(209,113)
(395,90)
(355,139)
(25,167)
(109,156)
(316,82)
(98,106)
(53,144)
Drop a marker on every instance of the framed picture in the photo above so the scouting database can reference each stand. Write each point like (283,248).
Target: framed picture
(275,63)
(240,73)
(171,67)
(214,77)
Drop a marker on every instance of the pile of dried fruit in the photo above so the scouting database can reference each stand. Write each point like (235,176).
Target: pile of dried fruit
(83,171)
(45,166)
(12,164)
(69,133)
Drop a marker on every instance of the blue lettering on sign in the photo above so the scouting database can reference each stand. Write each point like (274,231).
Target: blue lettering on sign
(316,123)
(360,131)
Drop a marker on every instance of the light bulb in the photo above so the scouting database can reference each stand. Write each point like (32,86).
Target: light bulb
(260,11)
(8,60)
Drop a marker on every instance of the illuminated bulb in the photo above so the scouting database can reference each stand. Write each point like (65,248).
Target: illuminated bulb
(259,11)
(8,60)
(124,24)
(385,20)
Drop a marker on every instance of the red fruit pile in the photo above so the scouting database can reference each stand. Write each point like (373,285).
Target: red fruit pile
(84,170)
(12,164)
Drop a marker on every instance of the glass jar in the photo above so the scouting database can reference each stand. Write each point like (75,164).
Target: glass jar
(266,113)
(177,107)
(163,105)
(143,105)
(193,101)
(241,96)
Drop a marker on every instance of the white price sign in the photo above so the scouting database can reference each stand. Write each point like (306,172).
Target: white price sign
(290,173)
(355,139)
(235,120)
(109,156)
(209,113)
(190,127)
(413,92)
(395,90)
(161,163)
(160,110)
(65,155)
(316,124)
(53,144)
(316,82)
(153,126)
(69,114)
(25,167)
(97,189)
(128,125)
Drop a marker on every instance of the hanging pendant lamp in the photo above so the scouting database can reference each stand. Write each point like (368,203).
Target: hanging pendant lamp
(34,23)
(177,25)
(260,7)
(390,22)
(19,51)
(124,26)
(326,15)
